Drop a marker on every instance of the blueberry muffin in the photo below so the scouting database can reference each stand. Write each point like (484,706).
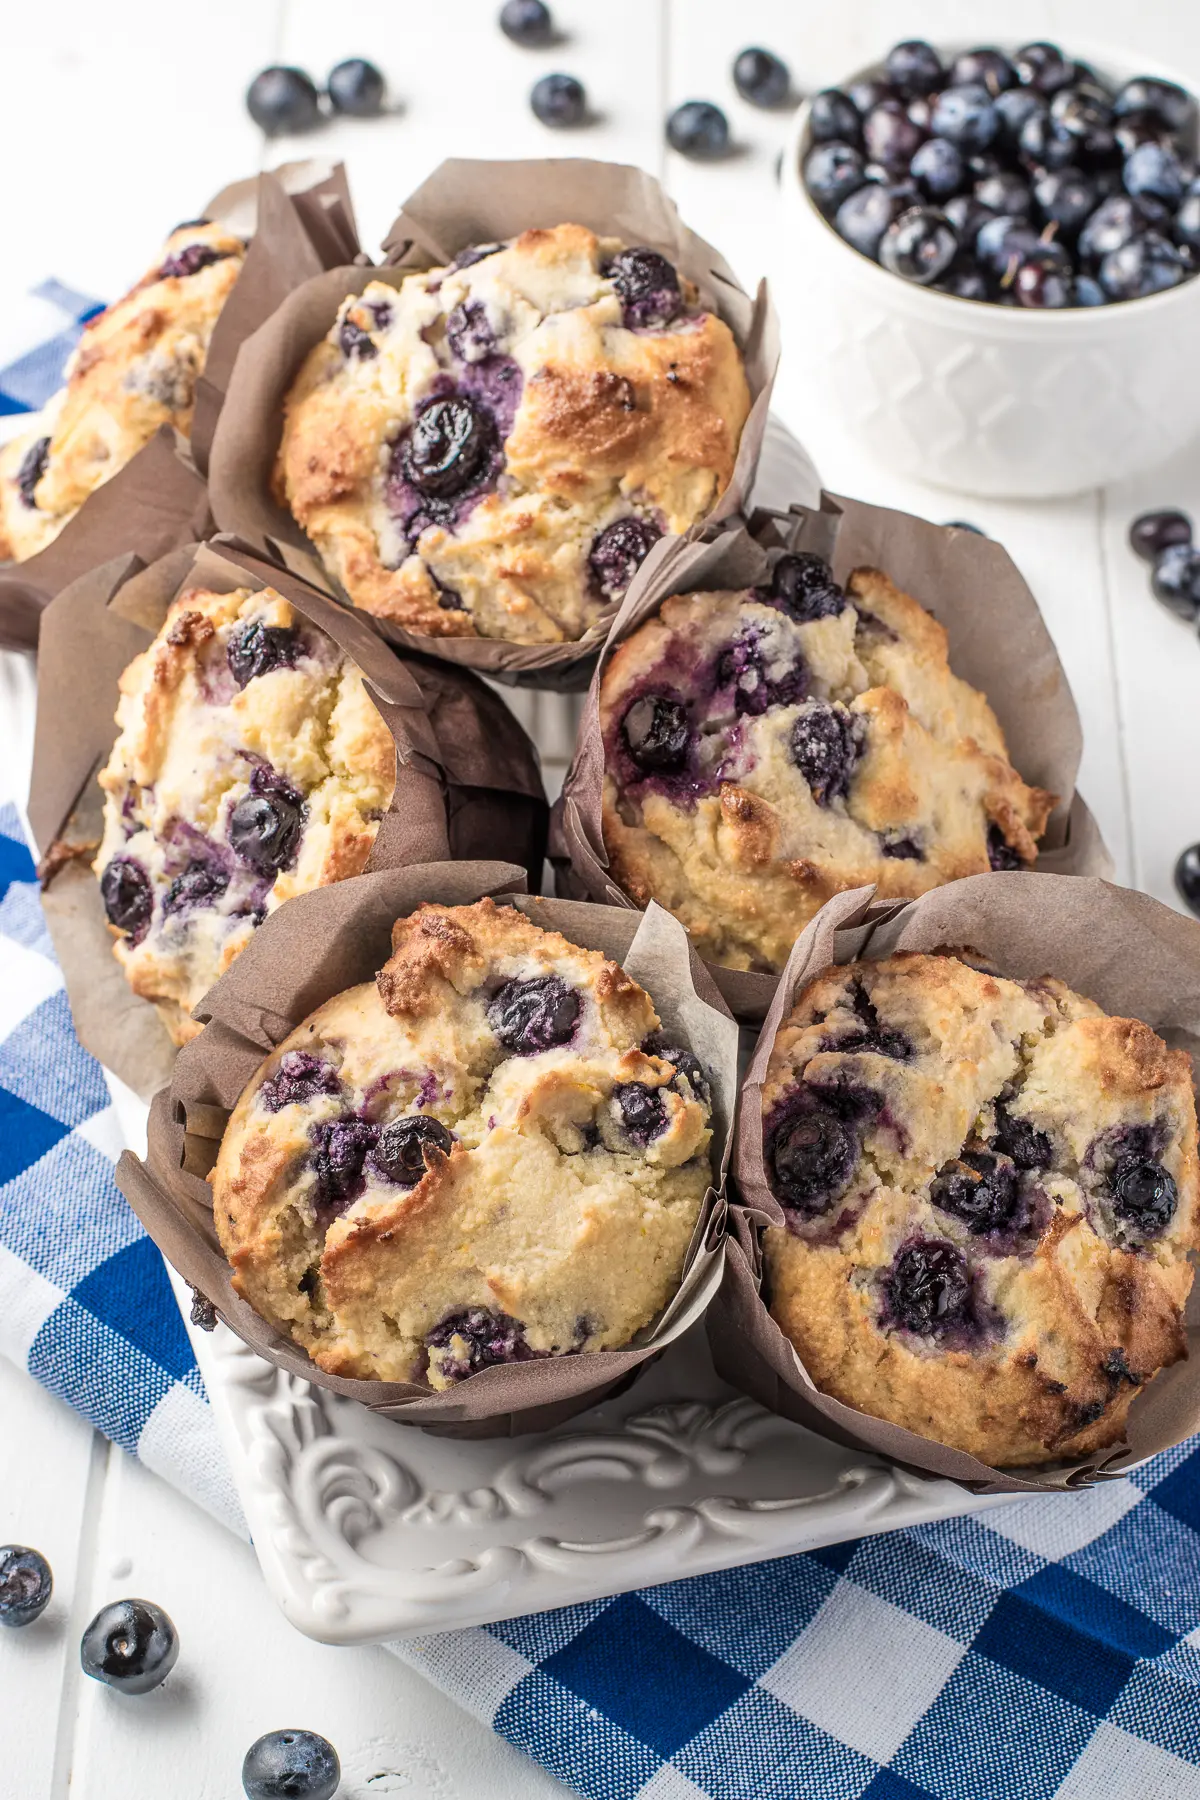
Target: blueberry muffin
(767,748)
(493,447)
(250,765)
(487,1155)
(134,369)
(990,1189)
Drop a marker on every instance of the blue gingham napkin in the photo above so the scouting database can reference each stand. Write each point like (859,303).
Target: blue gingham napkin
(1046,1650)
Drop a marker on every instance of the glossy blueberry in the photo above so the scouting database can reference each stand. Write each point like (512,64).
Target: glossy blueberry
(299,1077)
(527,22)
(1039,280)
(865,215)
(803,584)
(1043,144)
(1065,197)
(1082,111)
(867,93)
(265,827)
(928,1288)
(698,129)
(938,168)
(25,1585)
(1168,103)
(127,895)
(291,1765)
(1028,1147)
(890,137)
(1088,291)
(980,1189)
(449,447)
(914,67)
(257,649)
(1132,129)
(536,1015)
(1153,532)
(618,552)
(1156,170)
(559,101)
(200,884)
(469,332)
(356,88)
(648,285)
(1006,193)
(131,1645)
(1000,240)
(918,246)
(810,1159)
(982,68)
(687,1063)
(761,78)
(1115,222)
(487,1339)
(1001,855)
(982,165)
(824,750)
(1187,878)
(657,734)
(968,215)
(1042,66)
(1144,1195)
(643,1110)
(1187,222)
(1014,108)
(283,100)
(190,260)
(339,1149)
(1176,580)
(32,468)
(1146,265)
(355,344)
(399,1152)
(967,116)
(833,115)
(832,172)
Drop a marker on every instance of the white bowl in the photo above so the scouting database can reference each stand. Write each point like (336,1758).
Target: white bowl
(985,399)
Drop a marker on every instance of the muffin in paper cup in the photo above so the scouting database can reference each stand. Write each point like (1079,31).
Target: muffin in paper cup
(974,622)
(1051,1248)
(225,795)
(465,207)
(296,220)
(309,958)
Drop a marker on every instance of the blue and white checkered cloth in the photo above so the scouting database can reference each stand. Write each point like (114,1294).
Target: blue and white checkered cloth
(1046,1650)
(39,333)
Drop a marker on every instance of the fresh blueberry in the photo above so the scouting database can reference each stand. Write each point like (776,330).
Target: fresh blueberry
(1014,108)
(531,1016)
(618,552)
(1088,291)
(685,1061)
(299,1077)
(1001,856)
(1132,129)
(643,1110)
(982,68)
(937,168)
(867,93)
(980,1189)
(1187,222)
(1043,144)
(1115,222)
(928,1289)
(127,895)
(833,115)
(291,1765)
(1005,192)
(1146,265)
(657,734)
(967,213)
(700,130)
(25,1585)
(919,246)
(559,101)
(200,884)
(339,1150)
(1156,170)
(1039,281)
(1144,1196)
(190,260)
(449,447)
(761,78)
(399,1152)
(1000,240)
(832,172)
(488,1339)
(33,467)
(965,284)
(1066,198)
(131,1645)
(356,88)
(1028,1147)
(648,285)
(1187,878)
(824,749)
(914,67)
(265,828)
(1082,111)
(1172,106)
(1044,67)
(890,137)
(527,22)
(967,116)
(257,649)
(1153,532)
(1176,580)
(865,215)
(982,165)
(283,100)
(810,1159)
(920,110)
(803,585)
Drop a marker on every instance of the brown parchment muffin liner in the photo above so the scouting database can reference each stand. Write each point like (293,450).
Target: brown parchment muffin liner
(328,940)
(463,203)
(998,642)
(467,777)
(299,219)
(1134,957)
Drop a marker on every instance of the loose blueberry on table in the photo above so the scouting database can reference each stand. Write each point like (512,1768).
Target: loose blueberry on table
(559,101)
(356,88)
(291,1765)
(1026,182)
(282,100)
(699,129)
(130,1645)
(1187,878)
(761,78)
(1164,539)
(25,1585)
(527,22)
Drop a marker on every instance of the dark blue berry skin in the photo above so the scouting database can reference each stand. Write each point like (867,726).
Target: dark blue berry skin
(824,750)
(531,1016)
(1002,858)
(685,1061)
(983,68)
(257,648)
(965,284)
(1043,144)
(618,552)
(865,215)
(1172,106)
(980,1189)
(1146,265)
(1116,221)
(967,116)
(449,447)
(643,1110)
(1088,291)
(127,895)
(357,89)
(265,829)
(914,67)
(1042,66)
(1144,1197)
(1187,222)
(938,168)
(1005,193)
(810,1159)
(1187,878)
(802,583)
(890,137)
(832,114)
(928,1289)
(190,260)
(700,130)
(527,22)
(919,246)
(833,172)
(1001,239)
(559,101)
(657,734)
(1065,198)
(1013,110)
(1176,580)
(33,467)
(1156,170)
(25,1586)
(1039,281)
(399,1151)
(761,78)
(283,100)
(1082,111)
(291,1765)
(648,285)
(130,1645)
(299,1077)
(968,214)
(1153,532)
(340,1148)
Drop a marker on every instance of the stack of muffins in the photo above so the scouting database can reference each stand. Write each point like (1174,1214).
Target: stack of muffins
(974,1192)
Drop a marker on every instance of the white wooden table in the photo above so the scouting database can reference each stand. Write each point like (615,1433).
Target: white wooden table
(117,121)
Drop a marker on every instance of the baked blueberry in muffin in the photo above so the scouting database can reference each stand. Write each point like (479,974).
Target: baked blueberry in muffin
(493,447)
(485,1156)
(134,369)
(767,748)
(250,765)
(990,1190)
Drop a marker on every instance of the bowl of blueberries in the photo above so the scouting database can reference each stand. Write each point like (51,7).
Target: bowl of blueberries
(992,255)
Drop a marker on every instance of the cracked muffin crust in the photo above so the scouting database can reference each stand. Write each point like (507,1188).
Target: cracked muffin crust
(767,748)
(991,1194)
(134,369)
(485,1156)
(250,765)
(493,447)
